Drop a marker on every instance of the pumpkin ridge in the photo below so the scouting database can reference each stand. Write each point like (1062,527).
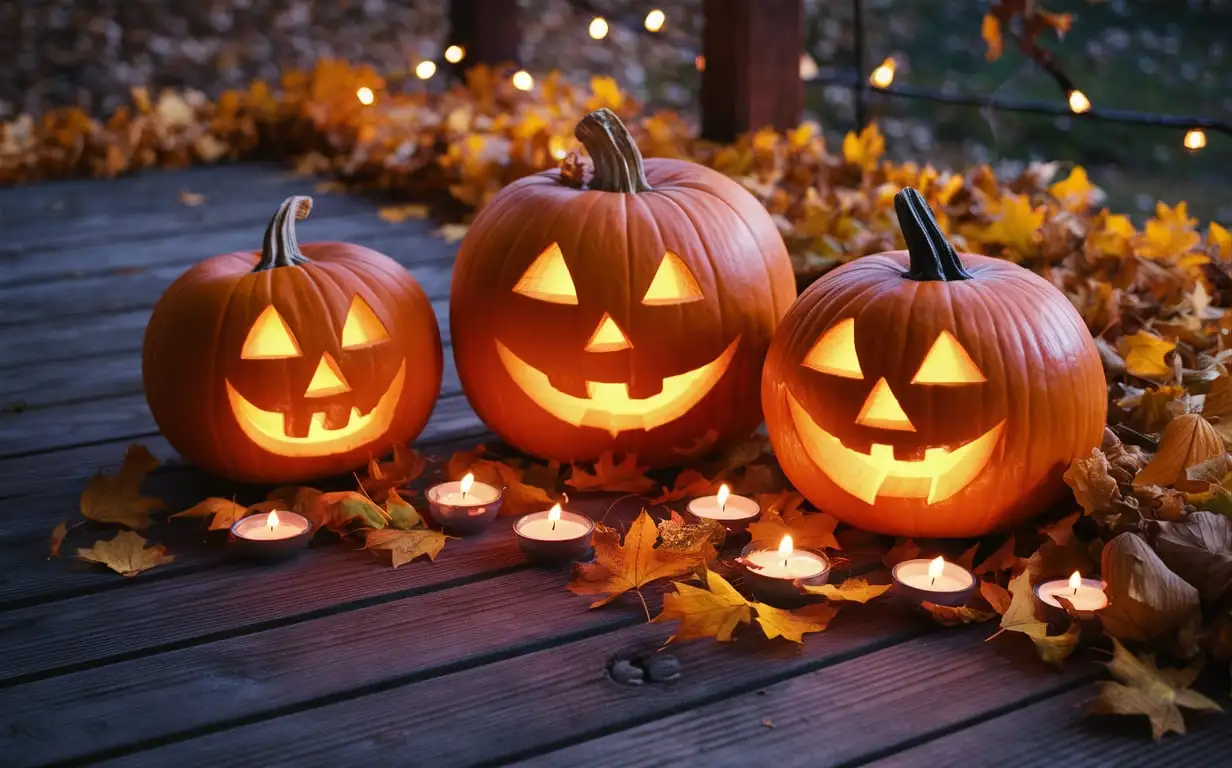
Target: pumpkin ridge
(280,248)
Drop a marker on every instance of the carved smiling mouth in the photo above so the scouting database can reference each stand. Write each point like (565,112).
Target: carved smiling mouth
(942,472)
(268,428)
(608,406)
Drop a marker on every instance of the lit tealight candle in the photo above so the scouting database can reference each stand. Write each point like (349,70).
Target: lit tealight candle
(772,573)
(271,535)
(732,511)
(934,581)
(1085,595)
(464,506)
(554,536)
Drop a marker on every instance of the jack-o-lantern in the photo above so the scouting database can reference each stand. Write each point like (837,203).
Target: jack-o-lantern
(291,363)
(913,394)
(631,313)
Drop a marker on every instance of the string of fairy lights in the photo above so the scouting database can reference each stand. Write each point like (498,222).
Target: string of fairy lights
(880,80)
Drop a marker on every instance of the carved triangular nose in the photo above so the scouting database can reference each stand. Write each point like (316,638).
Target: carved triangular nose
(881,409)
(608,337)
(327,380)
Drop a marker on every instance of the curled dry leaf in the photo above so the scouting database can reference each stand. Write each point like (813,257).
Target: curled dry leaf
(1094,488)
(1055,649)
(1146,355)
(301,500)
(712,612)
(625,477)
(349,509)
(813,530)
(1054,560)
(1188,440)
(1199,550)
(853,590)
(948,616)
(1020,616)
(223,513)
(401,514)
(619,566)
(57,539)
(794,625)
(126,554)
(405,545)
(675,533)
(405,466)
(1145,689)
(1145,599)
(117,498)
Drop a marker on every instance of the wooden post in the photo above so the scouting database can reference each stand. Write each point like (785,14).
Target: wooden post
(488,30)
(751,78)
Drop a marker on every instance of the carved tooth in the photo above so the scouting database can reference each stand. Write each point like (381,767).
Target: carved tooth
(336,416)
(297,423)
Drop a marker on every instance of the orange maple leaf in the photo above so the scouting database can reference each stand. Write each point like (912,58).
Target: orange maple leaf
(406,465)
(1145,354)
(865,148)
(126,554)
(1170,236)
(626,476)
(814,530)
(117,498)
(1219,242)
(223,513)
(712,612)
(405,545)
(621,567)
(794,625)
(1076,192)
(1015,224)
(518,496)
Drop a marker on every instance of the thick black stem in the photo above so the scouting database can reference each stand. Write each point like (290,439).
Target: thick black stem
(618,161)
(932,256)
(280,248)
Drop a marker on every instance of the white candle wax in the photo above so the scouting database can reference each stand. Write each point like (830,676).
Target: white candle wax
(537,526)
(735,508)
(1089,596)
(953,577)
(450,494)
(798,565)
(257,528)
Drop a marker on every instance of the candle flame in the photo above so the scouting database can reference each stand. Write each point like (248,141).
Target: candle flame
(554,513)
(272,520)
(1075,580)
(467,482)
(936,567)
(724,492)
(786,547)
(1078,102)
(365,95)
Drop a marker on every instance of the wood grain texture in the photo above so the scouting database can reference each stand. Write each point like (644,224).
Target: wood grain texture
(245,676)
(843,714)
(528,704)
(1055,731)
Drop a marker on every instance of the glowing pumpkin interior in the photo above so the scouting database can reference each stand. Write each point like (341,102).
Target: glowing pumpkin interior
(608,405)
(941,472)
(271,338)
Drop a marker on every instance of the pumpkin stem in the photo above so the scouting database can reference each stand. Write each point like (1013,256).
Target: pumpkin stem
(280,248)
(618,161)
(932,256)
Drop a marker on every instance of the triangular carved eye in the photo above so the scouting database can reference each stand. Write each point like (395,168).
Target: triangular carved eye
(835,351)
(548,278)
(673,283)
(362,327)
(948,363)
(269,338)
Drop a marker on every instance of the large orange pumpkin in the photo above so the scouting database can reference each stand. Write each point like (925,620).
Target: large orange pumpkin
(631,313)
(920,393)
(291,363)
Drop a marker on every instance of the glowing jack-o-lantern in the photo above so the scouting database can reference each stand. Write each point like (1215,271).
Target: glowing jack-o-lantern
(629,314)
(919,393)
(291,363)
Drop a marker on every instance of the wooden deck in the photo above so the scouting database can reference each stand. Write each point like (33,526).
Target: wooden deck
(334,658)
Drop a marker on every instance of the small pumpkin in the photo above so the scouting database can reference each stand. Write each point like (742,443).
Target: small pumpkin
(293,362)
(923,393)
(630,313)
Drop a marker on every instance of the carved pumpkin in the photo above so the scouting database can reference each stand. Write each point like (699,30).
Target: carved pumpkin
(291,363)
(911,394)
(630,314)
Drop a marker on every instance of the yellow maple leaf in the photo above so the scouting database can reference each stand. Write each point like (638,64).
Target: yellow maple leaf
(518,497)
(117,498)
(1145,689)
(1076,192)
(948,616)
(814,530)
(405,545)
(1015,225)
(1020,615)
(126,554)
(712,612)
(1169,236)
(223,513)
(1145,354)
(794,625)
(1111,234)
(605,92)
(626,476)
(619,567)
(853,590)
(1220,242)
(990,30)
(864,149)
